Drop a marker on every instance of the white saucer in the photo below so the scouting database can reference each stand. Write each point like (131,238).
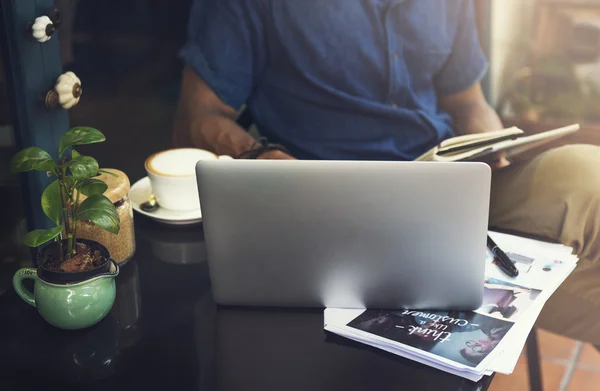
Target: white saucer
(140,192)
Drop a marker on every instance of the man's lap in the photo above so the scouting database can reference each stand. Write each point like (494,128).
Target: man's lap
(557,195)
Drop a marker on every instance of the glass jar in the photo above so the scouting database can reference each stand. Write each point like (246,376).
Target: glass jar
(122,245)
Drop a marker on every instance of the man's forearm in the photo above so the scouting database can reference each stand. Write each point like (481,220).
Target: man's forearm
(218,134)
(472,114)
(203,121)
(470,111)
(477,117)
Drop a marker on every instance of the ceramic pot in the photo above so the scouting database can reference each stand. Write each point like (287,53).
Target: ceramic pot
(72,305)
(60,277)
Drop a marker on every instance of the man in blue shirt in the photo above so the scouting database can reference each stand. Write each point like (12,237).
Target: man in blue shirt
(338,79)
(380,80)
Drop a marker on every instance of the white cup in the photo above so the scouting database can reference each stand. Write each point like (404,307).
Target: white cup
(173,177)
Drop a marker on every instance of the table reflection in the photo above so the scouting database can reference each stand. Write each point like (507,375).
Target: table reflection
(179,245)
(128,305)
(166,332)
(73,356)
(284,349)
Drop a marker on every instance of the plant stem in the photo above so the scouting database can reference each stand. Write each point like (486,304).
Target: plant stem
(70,247)
(72,190)
(65,209)
(60,248)
(65,204)
(72,235)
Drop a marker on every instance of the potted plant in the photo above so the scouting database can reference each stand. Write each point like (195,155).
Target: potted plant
(74,281)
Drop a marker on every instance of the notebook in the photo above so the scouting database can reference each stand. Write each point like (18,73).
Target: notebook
(479,146)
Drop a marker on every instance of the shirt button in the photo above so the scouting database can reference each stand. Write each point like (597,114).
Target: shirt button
(395,56)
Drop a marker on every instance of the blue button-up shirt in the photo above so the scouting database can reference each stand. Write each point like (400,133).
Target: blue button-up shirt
(339,79)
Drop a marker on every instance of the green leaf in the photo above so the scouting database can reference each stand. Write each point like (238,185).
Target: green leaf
(32,158)
(107,173)
(51,202)
(90,187)
(41,236)
(99,210)
(83,167)
(79,135)
(74,154)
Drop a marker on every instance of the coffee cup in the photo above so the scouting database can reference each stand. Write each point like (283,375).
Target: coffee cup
(172,174)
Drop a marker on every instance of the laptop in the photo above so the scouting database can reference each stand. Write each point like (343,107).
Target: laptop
(348,234)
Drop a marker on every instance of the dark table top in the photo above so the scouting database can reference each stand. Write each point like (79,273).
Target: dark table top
(165,332)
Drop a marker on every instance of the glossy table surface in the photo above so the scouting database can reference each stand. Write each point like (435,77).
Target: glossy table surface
(165,332)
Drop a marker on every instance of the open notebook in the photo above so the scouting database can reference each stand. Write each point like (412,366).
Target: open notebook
(511,142)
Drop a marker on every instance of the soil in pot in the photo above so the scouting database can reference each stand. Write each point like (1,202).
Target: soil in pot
(85,259)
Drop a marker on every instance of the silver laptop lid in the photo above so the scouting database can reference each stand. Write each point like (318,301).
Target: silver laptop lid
(345,233)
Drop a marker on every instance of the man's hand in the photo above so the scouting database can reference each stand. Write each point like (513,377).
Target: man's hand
(498,162)
(276,155)
(471,113)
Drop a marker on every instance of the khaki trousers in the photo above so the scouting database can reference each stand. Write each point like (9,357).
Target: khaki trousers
(557,195)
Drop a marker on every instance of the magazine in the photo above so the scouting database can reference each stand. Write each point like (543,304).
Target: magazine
(462,337)
(475,343)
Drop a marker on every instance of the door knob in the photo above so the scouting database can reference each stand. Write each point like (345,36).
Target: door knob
(66,92)
(44,26)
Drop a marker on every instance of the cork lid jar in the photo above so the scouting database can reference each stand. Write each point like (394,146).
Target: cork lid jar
(118,185)
(122,245)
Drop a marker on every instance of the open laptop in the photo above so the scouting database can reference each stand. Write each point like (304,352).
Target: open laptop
(350,234)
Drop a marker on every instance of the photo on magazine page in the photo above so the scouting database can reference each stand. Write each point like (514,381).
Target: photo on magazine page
(464,337)
(504,300)
(533,272)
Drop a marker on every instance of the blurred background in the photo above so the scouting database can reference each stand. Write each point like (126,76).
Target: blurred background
(545,66)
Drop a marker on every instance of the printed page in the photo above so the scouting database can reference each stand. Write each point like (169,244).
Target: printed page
(335,317)
(459,339)
(467,373)
(531,247)
(518,337)
(540,265)
(505,362)
(469,343)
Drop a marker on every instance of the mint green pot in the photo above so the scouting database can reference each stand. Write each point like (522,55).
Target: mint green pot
(70,306)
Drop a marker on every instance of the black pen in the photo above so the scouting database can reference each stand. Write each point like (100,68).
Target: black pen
(501,259)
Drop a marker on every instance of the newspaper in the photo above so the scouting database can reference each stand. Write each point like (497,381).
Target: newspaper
(469,344)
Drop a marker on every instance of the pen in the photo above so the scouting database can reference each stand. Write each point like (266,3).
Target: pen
(501,259)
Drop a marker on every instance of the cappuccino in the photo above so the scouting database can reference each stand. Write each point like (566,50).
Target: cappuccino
(173,178)
(177,162)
